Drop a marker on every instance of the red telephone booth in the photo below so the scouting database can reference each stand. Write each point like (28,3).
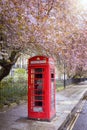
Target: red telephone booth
(41,88)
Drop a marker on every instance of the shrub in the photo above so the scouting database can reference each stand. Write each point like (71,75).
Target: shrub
(20,74)
(11,91)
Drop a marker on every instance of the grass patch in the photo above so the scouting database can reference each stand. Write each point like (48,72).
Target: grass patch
(59,85)
(60,88)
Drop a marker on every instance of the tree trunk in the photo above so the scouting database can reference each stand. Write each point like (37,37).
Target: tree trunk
(5,71)
(6,65)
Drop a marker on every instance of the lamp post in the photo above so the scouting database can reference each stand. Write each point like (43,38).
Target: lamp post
(64,76)
(63,57)
(64,62)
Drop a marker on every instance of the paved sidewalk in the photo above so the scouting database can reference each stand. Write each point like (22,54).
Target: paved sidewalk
(66,100)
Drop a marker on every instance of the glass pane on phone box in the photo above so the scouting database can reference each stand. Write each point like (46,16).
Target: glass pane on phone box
(38,76)
(38,70)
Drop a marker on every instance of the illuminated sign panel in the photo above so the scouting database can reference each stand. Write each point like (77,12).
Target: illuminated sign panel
(38,62)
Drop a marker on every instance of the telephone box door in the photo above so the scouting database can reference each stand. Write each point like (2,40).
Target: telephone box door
(37,91)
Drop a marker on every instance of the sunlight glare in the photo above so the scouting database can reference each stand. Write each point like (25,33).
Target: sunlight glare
(83,4)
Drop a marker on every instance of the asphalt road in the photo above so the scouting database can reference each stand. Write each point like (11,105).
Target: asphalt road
(81,123)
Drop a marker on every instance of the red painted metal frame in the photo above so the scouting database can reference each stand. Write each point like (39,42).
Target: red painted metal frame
(47,64)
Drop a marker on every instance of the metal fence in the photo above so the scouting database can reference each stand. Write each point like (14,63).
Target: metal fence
(74,81)
(12,92)
(61,83)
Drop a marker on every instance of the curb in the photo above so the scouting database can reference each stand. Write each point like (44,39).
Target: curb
(72,113)
(12,105)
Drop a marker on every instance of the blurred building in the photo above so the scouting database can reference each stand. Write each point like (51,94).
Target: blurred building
(22,63)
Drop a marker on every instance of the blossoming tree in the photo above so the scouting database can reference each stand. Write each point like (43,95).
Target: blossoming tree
(50,27)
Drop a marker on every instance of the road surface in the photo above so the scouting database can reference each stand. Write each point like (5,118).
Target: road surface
(81,123)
